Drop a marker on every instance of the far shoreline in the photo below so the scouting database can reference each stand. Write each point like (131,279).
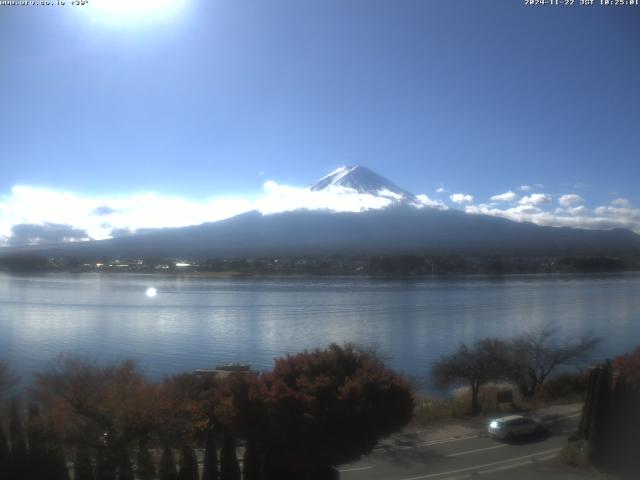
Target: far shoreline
(363,276)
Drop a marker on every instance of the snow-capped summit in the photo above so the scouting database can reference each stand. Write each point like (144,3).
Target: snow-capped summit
(371,191)
(362,180)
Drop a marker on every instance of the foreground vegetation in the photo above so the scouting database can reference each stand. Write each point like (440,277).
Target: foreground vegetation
(608,432)
(562,388)
(526,361)
(313,411)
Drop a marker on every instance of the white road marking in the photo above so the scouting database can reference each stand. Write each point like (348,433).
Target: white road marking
(573,415)
(425,444)
(562,417)
(502,468)
(446,440)
(458,438)
(354,469)
(476,450)
(517,464)
(477,467)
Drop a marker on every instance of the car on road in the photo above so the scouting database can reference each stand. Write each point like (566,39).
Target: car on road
(513,426)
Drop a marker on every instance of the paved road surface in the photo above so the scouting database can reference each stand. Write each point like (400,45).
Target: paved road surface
(463,457)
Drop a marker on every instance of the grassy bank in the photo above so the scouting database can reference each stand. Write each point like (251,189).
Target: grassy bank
(562,389)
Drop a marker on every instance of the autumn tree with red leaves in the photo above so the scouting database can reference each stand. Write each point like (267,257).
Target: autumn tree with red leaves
(315,410)
(104,407)
(328,407)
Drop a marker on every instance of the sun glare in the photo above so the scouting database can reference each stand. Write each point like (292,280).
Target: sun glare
(151,292)
(127,11)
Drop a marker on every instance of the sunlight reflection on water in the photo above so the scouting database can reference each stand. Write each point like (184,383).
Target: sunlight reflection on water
(198,322)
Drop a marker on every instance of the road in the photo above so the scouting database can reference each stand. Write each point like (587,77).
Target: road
(473,454)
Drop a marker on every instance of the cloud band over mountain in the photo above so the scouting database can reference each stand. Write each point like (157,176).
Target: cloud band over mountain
(30,215)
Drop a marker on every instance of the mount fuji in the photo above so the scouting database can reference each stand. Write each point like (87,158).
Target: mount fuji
(400,222)
(361,180)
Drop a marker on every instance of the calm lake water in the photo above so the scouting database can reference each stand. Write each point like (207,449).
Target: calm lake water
(198,322)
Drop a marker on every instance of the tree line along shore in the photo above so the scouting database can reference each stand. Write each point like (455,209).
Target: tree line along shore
(371,265)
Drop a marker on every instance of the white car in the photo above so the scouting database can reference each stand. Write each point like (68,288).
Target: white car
(512,426)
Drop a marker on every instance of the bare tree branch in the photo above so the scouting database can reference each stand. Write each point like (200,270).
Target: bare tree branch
(485,361)
(536,354)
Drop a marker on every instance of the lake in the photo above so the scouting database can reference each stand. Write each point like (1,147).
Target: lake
(197,322)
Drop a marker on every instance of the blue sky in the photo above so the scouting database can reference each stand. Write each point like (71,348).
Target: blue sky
(210,99)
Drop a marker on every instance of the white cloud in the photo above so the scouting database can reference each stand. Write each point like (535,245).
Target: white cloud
(97,216)
(524,188)
(579,211)
(570,200)
(43,213)
(518,213)
(621,202)
(440,190)
(384,192)
(425,201)
(284,198)
(505,197)
(461,198)
(627,217)
(28,233)
(603,217)
(535,199)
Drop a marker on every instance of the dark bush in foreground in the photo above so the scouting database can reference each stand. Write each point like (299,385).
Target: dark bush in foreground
(628,365)
(610,423)
(315,410)
(329,407)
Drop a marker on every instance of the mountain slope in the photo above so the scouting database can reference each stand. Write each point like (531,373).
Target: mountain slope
(401,227)
(393,230)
